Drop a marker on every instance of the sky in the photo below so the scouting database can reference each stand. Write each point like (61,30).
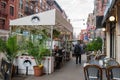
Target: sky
(77,11)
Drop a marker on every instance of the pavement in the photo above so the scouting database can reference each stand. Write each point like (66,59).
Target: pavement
(69,71)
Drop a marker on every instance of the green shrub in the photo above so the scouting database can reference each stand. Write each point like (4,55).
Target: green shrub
(94,45)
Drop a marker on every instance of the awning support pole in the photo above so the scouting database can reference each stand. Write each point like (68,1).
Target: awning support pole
(51,40)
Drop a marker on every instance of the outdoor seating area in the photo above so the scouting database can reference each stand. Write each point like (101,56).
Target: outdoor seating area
(113,72)
(93,72)
(103,66)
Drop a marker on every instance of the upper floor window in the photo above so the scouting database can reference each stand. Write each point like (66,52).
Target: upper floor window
(36,10)
(40,1)
(11,10)
(2,23)
(21,4)
(31,7)
(3,4)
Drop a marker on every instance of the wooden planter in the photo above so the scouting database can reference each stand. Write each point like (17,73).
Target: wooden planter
(38,71)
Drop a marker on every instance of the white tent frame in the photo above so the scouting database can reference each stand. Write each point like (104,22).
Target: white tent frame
(52,18)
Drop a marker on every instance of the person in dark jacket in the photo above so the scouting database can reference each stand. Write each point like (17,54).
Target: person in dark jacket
(58,56)
(77,52)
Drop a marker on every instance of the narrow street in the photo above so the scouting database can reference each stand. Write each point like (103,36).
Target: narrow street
(69,71)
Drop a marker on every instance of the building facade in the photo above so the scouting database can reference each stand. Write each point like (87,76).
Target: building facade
(7,11)
(111,23)
(112,28)
(94,22)
(90,26)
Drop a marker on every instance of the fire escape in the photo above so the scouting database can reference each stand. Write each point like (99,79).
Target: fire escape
(29,7)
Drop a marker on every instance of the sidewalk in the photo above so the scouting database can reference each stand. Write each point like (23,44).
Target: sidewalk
(69,71)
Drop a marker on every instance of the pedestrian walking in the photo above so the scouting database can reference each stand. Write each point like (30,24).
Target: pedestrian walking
(77,52)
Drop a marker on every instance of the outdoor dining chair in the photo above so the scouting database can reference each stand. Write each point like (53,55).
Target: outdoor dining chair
(6,70)
(112,62)
(93,72)
(113,73)
(90,57)
(101,57)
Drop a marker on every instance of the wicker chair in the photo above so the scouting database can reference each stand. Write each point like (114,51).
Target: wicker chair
(101,57)
(113,73)
(93,72)
(90,57)
(112,62)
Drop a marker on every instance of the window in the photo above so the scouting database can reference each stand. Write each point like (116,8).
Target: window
(31,7)
(11,10)
(41,2)
(3,4)
(36,10)
(2,23)
(21,4)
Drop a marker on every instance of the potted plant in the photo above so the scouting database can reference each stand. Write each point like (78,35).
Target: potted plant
(38,51)
(10,48)
(33,51)
(94,45)
(2,45)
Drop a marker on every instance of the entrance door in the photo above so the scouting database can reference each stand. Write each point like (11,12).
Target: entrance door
(112,41)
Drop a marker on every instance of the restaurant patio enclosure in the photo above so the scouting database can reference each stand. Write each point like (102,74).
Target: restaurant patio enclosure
(49,20)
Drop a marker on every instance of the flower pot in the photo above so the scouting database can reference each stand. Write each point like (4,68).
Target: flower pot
(38,71)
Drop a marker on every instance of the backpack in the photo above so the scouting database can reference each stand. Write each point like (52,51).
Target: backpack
(77,49)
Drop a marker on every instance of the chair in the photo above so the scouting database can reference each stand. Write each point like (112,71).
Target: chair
(113,73)
(6,70)
(93,72)
(112,62)
(90,57)
(101,57)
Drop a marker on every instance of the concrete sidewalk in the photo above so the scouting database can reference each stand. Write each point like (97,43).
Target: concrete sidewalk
(69,71)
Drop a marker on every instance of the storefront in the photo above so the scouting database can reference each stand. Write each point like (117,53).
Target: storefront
(112,21)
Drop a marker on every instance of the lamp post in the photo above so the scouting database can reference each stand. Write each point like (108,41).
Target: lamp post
(112,36)
(112,18)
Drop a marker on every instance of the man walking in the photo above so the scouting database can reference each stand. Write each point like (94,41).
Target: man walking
(77,52)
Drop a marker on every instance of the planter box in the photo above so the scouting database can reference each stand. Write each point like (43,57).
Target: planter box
(48,63)
(25,61)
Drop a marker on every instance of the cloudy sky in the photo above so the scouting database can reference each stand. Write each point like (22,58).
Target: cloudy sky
(77,10)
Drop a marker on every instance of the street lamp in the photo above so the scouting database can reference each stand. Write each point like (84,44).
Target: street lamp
(112,18)
(112,34)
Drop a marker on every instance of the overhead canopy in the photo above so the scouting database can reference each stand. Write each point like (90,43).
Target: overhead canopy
(47,18)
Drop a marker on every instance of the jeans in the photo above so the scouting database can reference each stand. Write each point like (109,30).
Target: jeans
(78,58)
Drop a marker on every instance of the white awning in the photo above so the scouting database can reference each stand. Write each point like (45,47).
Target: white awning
(47,18)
